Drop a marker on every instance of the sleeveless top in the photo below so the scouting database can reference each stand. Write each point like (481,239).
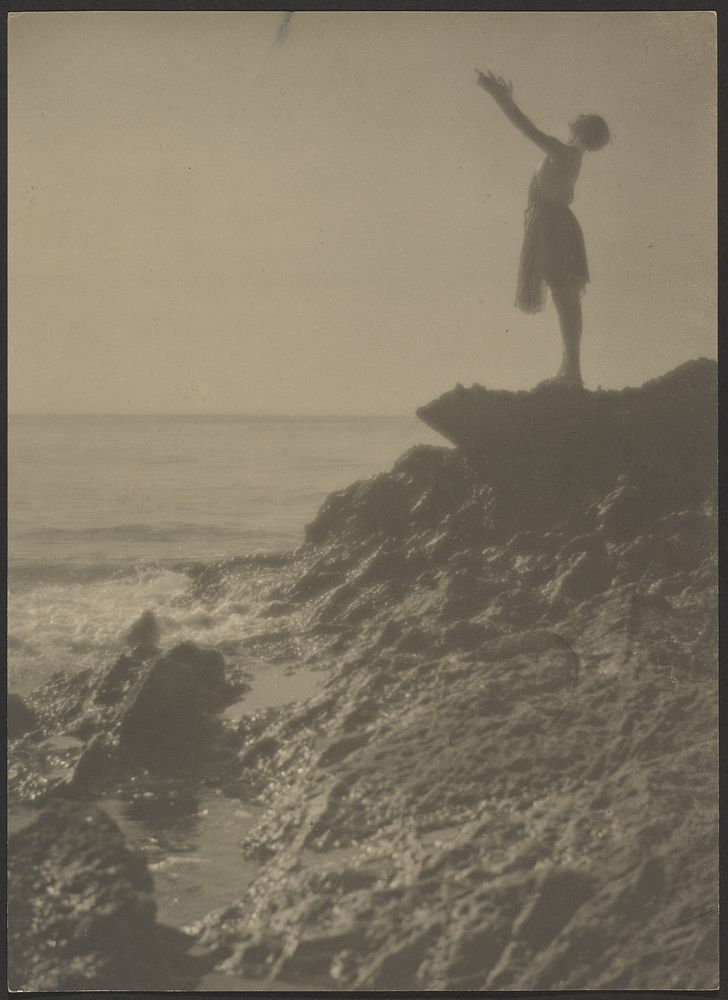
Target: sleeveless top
(556,178)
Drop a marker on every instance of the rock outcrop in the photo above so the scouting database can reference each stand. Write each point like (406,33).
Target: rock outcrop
(149,710)
(509,780)
(81,912)
(561,445)
(518,533)
(145,631)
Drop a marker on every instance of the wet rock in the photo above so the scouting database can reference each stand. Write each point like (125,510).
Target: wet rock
(145,631)
(341,748)
(467,592)
(622,514)
(592,543)
(118,678)
(261,749)
(147,710)
(585,575)
(382,507)
(520,638)
(473,952)
(390,633)
(513,745)
(81,912)
(360,713)
(526,541)
(557,899)
(413,640)
(60,703)
(167,708)
(525,719)
(276,609)
(396,967)
(697,522)
(312,956)
(96,764)
(473,523)
(21,718)
(466,635)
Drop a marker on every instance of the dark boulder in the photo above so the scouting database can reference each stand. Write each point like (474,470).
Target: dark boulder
(81,913)
(167,708)
(148,711)
(117,680)
(145,631)
(151,710)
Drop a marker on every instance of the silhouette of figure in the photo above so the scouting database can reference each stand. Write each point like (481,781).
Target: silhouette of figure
(553,251)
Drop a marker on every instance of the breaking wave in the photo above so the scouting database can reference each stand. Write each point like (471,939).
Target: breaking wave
(65,616)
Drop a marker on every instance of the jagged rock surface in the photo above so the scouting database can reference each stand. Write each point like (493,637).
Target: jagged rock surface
(149,710)
(81,912)
(509,780)
(572,442)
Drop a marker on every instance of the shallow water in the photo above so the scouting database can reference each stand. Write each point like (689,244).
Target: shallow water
(273,685)
(192,846)
(191,837)
(190,840)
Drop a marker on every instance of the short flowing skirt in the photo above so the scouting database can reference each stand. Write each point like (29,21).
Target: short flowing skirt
(553,252)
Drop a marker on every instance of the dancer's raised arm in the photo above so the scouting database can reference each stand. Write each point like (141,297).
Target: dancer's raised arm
(502,93)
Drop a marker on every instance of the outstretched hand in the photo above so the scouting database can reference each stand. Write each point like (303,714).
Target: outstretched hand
(495,85)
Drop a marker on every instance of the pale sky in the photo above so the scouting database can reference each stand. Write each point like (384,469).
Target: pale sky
(202,220)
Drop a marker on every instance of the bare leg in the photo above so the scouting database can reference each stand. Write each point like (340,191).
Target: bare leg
(567,300)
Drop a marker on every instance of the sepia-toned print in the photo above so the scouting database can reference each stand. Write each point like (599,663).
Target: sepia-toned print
(362,578)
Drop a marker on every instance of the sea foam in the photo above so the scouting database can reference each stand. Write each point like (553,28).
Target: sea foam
(73,620)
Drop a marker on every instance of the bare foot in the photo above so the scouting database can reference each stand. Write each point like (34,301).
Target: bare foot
(570,381)
(561,381)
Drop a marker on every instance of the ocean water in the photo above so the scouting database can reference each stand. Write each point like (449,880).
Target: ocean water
(103,510)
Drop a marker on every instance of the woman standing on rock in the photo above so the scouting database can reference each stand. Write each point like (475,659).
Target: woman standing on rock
(553,250)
